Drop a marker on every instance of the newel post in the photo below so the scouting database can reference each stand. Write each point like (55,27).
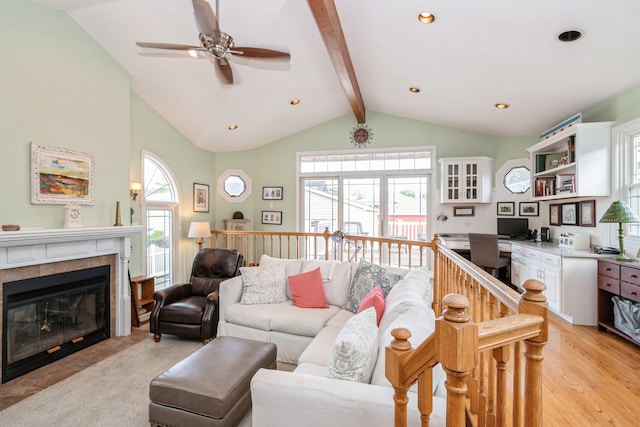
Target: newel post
(394,357)
(534,302)
(457,346)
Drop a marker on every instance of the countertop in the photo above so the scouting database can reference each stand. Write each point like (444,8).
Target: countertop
(549,247)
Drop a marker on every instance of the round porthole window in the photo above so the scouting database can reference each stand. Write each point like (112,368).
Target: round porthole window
(234,186)
(518,180)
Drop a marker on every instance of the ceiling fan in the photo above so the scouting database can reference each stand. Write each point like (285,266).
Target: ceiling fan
(215,44)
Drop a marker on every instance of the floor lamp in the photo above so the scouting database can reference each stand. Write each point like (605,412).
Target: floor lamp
(199,230)
(621,213)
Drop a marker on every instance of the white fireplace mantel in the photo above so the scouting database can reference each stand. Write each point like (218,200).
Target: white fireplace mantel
(39,246)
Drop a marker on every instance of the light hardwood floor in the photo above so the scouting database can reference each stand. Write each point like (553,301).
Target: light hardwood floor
(590,378)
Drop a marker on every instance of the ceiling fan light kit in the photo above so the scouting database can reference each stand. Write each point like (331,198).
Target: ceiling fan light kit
(215,43)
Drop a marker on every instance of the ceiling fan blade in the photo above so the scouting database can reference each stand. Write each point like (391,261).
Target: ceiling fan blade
(170,46)
(205,18)
(256,52)
(225,74)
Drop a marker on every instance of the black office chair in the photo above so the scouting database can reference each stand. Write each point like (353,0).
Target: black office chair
(485,253)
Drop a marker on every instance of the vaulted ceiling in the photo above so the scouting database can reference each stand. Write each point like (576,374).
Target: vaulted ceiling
(473,56)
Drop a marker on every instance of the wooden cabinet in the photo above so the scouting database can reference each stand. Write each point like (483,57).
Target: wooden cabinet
(465,179)
(616,278)
(142,301)
(574,162)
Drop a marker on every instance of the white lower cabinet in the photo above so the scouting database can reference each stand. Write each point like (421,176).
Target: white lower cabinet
(570,281)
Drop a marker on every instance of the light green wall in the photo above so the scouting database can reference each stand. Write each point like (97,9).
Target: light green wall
(189,164)
(621,108)
(58,87)
(275,164)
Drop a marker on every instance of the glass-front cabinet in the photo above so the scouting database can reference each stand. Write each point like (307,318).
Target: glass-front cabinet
(465,179)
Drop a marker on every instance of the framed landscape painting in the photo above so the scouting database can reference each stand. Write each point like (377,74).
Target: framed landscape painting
(506,208)
(60,176)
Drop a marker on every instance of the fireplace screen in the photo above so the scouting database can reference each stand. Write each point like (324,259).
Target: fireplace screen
(50,317)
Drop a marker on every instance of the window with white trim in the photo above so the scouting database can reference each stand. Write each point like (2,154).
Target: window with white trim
(160,203)
(626,138)
(378,193)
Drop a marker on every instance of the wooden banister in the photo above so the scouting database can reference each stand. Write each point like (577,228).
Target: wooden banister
(488,338)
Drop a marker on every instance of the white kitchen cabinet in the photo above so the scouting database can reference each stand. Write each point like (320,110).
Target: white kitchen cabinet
(465,179)
(519,267)
(574,162)
(570,281)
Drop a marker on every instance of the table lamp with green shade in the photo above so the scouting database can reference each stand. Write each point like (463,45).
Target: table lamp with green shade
(621,213)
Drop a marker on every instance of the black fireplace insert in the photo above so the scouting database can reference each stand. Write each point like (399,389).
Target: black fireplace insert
(47,318)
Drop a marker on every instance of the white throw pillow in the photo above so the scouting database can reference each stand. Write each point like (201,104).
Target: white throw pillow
(355,351)
(264,285)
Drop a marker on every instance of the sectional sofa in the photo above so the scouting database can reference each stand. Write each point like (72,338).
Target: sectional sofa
(311,338)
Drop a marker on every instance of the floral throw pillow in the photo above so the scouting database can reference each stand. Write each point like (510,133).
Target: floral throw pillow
(264,285)
(366,277)
(355,351)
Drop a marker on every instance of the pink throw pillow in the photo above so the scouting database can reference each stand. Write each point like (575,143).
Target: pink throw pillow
(307,290)
(375,299)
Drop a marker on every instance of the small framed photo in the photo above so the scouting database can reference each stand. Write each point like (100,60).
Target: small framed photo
(529,208)
(271,193)
(587,213)
(569,213)
(506,208)
(200,197)
(463,210)
(272,217)
(554,214)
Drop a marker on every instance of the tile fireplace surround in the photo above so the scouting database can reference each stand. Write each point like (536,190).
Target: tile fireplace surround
(68,248)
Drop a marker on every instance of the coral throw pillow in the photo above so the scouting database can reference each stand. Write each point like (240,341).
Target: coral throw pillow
(307,290)
(375,299)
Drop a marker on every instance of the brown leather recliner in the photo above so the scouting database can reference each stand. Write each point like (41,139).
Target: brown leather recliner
(190,309)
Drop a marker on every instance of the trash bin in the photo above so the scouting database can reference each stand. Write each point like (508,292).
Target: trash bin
(626,316)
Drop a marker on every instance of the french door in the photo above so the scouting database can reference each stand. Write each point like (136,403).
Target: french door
(376,205)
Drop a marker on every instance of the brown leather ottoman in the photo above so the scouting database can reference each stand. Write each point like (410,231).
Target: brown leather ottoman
(211,387)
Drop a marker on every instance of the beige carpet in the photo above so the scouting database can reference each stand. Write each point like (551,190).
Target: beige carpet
(113,392)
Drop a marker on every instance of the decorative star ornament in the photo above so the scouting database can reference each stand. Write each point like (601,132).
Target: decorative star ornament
(361,135)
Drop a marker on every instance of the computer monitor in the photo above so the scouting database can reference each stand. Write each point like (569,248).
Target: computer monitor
(513,228)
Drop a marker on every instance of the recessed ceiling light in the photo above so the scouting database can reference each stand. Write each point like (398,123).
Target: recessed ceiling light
(295,101)
(569,36)
(233,127)
(502,106)
(414,89)
(426,17)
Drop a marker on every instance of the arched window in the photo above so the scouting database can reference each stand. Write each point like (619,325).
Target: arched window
(160,203)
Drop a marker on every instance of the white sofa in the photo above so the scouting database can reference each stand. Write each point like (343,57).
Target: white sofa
(305,337)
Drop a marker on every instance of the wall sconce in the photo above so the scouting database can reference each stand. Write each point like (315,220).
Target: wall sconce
(199,230)
(134,189)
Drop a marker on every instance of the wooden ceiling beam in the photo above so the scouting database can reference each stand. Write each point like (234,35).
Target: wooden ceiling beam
(326,16)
